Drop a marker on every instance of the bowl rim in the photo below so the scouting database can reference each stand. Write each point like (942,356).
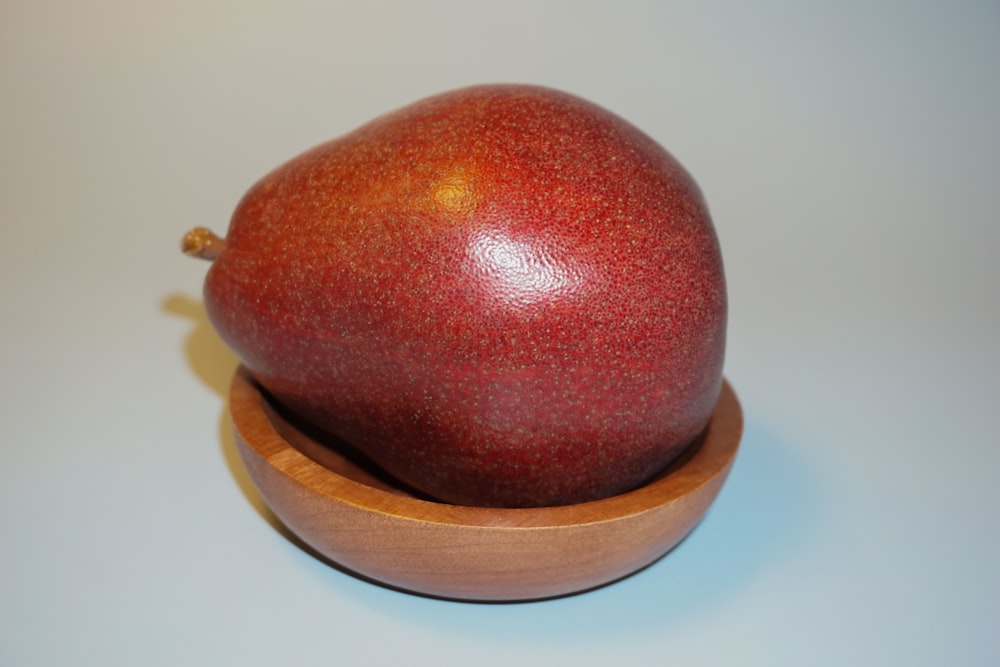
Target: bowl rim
(700,464)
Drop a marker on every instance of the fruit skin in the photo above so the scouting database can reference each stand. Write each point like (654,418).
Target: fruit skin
(504,295)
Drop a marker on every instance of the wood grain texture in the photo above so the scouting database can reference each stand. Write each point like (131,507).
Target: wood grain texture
(365,523)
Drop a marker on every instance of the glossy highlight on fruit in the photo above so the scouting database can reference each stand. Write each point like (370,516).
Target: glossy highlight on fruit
(503,295)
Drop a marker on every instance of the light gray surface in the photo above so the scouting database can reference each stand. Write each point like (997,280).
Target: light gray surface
(850,158)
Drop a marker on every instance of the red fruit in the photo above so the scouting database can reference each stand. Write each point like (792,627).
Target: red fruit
(503,295)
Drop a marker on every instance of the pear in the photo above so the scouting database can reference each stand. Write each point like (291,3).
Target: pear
(503,295)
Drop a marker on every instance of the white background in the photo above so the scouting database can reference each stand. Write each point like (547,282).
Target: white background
(850,153)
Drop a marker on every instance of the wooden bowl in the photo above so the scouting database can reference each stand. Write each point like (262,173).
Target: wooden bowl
(365,523)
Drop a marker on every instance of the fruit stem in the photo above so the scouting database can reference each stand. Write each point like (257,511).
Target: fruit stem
(201,242)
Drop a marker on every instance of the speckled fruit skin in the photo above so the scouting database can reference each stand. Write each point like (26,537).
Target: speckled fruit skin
(504,295)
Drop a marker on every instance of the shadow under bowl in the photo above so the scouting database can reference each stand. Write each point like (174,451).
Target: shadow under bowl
(365,523)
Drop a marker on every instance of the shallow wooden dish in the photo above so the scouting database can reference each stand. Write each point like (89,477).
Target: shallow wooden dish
(365,523)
